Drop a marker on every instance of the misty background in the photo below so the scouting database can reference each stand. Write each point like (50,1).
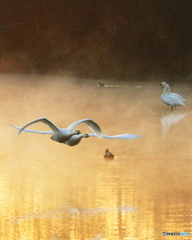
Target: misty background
(97,39)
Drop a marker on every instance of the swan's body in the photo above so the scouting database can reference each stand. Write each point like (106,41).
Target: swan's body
(75,139)
(61,135)
(173,94)
(170,99)
(108,155)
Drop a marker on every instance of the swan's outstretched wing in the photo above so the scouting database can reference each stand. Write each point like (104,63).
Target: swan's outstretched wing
(32,131)
(91,124)
(43,120)
(122,136)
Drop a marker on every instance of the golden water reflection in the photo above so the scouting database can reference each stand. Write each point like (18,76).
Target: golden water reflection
(49,191)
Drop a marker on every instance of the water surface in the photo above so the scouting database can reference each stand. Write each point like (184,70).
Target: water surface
(50,191)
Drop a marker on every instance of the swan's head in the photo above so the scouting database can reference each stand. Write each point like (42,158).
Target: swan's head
(86,135)
(163,84)
(77,131)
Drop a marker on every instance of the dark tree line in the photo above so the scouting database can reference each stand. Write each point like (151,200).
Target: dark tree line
(100,38)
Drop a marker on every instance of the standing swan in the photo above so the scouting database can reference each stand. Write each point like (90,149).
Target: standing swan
(61,135)
(173,94)
(170,98)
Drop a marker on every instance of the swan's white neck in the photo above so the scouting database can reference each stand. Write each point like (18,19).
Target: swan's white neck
(165,91)
(168,89)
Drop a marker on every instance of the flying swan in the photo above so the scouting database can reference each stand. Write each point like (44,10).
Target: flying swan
(171,99)
(75,139)
(61,135)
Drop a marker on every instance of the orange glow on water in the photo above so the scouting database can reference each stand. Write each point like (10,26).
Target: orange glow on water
(51,191)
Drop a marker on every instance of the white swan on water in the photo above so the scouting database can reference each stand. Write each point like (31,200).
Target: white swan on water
(61,135)
(173,94)
(171,99)
(75,139)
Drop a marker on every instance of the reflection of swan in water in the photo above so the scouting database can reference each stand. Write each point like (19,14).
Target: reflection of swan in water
(171,99)
(61,135)
(75,139)
(169,119)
